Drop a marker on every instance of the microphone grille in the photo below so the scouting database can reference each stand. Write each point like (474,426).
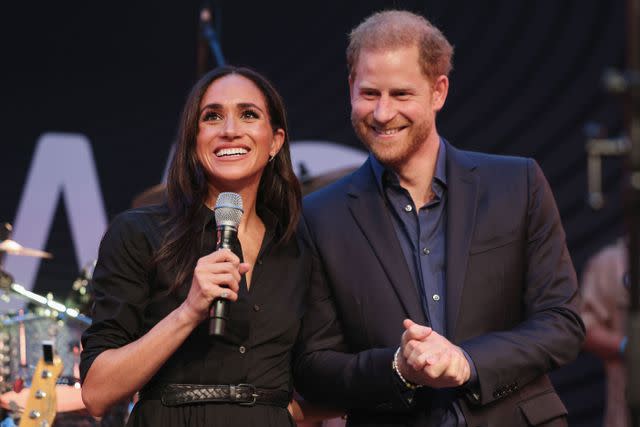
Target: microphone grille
(228,209)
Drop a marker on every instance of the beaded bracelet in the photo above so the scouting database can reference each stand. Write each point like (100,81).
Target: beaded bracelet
(394,366)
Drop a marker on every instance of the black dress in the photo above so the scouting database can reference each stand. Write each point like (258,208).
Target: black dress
(131,297)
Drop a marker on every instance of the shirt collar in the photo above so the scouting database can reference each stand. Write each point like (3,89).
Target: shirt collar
(206,217)
(382,173)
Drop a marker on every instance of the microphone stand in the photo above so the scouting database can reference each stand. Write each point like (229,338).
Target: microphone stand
(210,36)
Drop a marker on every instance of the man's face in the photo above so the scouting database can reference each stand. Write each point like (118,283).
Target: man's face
(393,104)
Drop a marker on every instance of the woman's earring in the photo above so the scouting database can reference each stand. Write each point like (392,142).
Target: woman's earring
(271,157)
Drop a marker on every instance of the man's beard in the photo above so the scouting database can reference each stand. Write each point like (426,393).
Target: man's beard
(392,154)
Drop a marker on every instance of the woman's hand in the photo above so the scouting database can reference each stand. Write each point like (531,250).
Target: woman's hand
(216,275)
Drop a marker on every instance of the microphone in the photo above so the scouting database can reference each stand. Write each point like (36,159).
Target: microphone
(228,212)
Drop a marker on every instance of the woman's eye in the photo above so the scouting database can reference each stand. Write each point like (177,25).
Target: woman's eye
(210,115)
(249,114)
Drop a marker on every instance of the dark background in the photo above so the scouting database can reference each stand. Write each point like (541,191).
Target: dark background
(526,80)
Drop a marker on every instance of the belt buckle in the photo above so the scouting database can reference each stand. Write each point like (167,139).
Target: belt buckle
(253,394)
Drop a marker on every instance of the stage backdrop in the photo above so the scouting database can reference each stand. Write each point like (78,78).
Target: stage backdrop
(93,91)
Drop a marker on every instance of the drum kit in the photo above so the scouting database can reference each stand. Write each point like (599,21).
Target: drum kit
(44,324)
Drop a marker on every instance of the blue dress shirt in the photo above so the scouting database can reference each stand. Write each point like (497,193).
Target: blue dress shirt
(421,231)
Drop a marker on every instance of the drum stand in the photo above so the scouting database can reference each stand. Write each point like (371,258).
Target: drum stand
(57,308)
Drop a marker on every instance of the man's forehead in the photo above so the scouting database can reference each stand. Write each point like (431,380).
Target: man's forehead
(372,57)
(394,67)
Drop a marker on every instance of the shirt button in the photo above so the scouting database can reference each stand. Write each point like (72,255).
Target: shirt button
(426,251)
(256,307)
(242,349)
(408,208)
(436,297)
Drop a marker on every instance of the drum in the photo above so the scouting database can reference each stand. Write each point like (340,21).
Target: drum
(22,337)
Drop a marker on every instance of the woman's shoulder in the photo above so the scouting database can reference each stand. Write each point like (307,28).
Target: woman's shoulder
(146,215)
(144,222)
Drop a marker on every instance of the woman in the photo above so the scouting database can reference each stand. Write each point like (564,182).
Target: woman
(158,273)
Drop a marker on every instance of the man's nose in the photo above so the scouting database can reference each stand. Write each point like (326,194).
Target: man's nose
(384,110)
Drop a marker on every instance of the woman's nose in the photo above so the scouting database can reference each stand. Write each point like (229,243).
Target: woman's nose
(230,128)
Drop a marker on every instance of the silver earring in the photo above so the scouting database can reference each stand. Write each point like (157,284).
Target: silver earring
(271,157)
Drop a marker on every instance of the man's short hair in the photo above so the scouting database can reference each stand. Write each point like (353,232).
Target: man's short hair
(394,29)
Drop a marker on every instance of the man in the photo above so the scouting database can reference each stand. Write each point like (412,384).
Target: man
(605,304)
(468,246)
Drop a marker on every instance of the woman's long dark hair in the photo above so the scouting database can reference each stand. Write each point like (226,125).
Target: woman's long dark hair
(187,188)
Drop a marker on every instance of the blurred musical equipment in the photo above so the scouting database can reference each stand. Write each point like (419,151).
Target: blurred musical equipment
(40,410)
(48,303)
(626,83)
(599,146)
(79,297)
(20,338)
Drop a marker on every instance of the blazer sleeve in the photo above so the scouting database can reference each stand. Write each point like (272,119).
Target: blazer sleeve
(551,332)
(325,370)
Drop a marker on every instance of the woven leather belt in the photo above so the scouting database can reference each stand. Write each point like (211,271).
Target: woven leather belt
(240,394)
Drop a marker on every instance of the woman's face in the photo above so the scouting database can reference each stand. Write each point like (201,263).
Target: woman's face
(235,138)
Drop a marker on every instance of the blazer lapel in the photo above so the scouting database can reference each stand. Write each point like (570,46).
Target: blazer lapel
(372,216)
(462,195)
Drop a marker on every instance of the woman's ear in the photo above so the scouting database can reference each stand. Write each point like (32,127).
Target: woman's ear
(278,141)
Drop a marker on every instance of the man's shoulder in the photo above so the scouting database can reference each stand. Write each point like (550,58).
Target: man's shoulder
(490,160)
(335,191)
(492,168)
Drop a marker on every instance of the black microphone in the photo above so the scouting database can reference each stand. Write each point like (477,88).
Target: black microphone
(228,212)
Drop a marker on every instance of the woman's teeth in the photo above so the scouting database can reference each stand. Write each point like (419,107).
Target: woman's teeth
(231,152)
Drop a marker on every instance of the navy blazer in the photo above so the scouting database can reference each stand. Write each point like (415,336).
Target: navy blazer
(511,296)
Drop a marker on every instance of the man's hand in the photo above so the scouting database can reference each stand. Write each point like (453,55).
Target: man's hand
(427,358)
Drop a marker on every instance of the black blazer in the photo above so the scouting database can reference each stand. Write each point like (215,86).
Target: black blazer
(511,296)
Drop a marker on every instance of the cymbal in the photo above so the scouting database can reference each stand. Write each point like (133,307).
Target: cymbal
(14,248)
